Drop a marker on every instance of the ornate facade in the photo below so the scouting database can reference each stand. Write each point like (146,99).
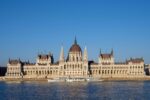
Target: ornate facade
(75,66)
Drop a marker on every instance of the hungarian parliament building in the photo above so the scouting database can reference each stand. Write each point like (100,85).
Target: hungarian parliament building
(76,65)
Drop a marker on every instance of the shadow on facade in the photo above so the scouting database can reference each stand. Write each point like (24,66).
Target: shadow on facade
(147,71)
(3,71)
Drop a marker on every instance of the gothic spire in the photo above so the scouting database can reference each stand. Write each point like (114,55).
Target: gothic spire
(62,59)
(85,57)
(112,52)
(100,52)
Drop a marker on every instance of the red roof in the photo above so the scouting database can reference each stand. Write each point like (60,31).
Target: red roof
(136,60)
(106,55)
(75,48)
(43,57)
(14,62)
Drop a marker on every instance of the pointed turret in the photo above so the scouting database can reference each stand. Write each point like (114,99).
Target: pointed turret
(100,52)
(99,58)
(85,57)
(62,59)
(112,52)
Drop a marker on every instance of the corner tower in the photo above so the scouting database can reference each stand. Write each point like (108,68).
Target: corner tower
(106,58)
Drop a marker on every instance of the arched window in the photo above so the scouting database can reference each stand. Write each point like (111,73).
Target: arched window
(77,59)
(103,72)
(72,66)
(73,58)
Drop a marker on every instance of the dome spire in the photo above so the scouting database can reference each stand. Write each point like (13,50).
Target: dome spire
(75,41)
(75,47)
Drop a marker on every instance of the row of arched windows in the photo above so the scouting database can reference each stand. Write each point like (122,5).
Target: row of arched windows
(104,72)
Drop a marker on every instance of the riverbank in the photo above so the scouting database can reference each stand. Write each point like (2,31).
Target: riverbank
(127,79)
(22,79)
(146,78)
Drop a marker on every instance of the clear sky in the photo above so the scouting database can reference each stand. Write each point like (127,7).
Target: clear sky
(31,26)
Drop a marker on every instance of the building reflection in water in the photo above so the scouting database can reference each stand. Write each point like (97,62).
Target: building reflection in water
(123,90)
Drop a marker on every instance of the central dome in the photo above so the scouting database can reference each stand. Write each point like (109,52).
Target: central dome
(75,47)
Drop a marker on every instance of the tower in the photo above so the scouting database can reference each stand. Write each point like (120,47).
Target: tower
(106,58)
(45,59)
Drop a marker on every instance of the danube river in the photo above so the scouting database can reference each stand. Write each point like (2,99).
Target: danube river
(112,90)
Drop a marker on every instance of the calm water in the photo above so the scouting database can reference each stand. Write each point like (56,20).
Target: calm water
(127,90)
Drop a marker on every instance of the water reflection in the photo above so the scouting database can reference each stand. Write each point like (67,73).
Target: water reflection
(127,90)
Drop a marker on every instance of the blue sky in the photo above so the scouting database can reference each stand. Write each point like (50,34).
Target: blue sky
(31,26)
